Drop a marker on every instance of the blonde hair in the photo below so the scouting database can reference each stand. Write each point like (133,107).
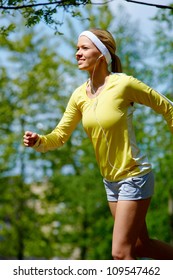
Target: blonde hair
(107,39)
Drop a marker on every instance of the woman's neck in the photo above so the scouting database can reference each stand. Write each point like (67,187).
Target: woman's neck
(98,78)
(96,85)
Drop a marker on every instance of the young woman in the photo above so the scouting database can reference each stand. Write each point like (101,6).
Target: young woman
(104,103)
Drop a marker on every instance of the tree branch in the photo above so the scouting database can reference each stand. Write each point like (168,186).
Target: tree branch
(64,3)
(101,3)
(149,4)
(59,3)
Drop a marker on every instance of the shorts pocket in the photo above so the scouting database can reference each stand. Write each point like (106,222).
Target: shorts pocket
(138,181)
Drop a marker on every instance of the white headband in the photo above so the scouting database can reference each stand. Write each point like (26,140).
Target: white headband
(102,48)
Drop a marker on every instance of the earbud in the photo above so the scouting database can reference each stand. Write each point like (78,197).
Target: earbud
(99,57)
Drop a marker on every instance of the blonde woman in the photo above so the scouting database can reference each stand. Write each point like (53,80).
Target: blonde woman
(104,104)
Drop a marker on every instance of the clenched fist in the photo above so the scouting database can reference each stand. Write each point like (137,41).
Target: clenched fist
(30,138)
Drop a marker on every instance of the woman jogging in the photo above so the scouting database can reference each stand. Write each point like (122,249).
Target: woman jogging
(105,105)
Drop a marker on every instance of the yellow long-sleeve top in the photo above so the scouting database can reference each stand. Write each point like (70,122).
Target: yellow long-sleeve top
(107,120)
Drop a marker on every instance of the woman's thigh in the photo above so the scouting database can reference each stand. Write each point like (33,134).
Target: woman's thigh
(129,219)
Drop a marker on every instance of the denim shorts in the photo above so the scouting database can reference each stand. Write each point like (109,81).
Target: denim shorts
(133,188)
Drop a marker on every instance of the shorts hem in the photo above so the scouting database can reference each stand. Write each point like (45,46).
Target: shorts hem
(129,199)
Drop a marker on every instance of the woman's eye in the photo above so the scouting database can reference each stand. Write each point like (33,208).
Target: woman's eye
(82,48)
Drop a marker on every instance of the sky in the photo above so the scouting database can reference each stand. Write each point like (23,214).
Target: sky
(137,12)
(142,13)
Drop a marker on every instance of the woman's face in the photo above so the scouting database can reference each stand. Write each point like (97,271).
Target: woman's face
(87,54)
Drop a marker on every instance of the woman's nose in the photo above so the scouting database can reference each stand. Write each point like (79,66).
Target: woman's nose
(79,52)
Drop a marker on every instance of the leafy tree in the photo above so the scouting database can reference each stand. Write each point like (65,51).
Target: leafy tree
(50,12)
(27,84)
(35,11)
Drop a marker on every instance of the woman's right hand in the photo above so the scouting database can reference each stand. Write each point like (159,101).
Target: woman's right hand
(30,138)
